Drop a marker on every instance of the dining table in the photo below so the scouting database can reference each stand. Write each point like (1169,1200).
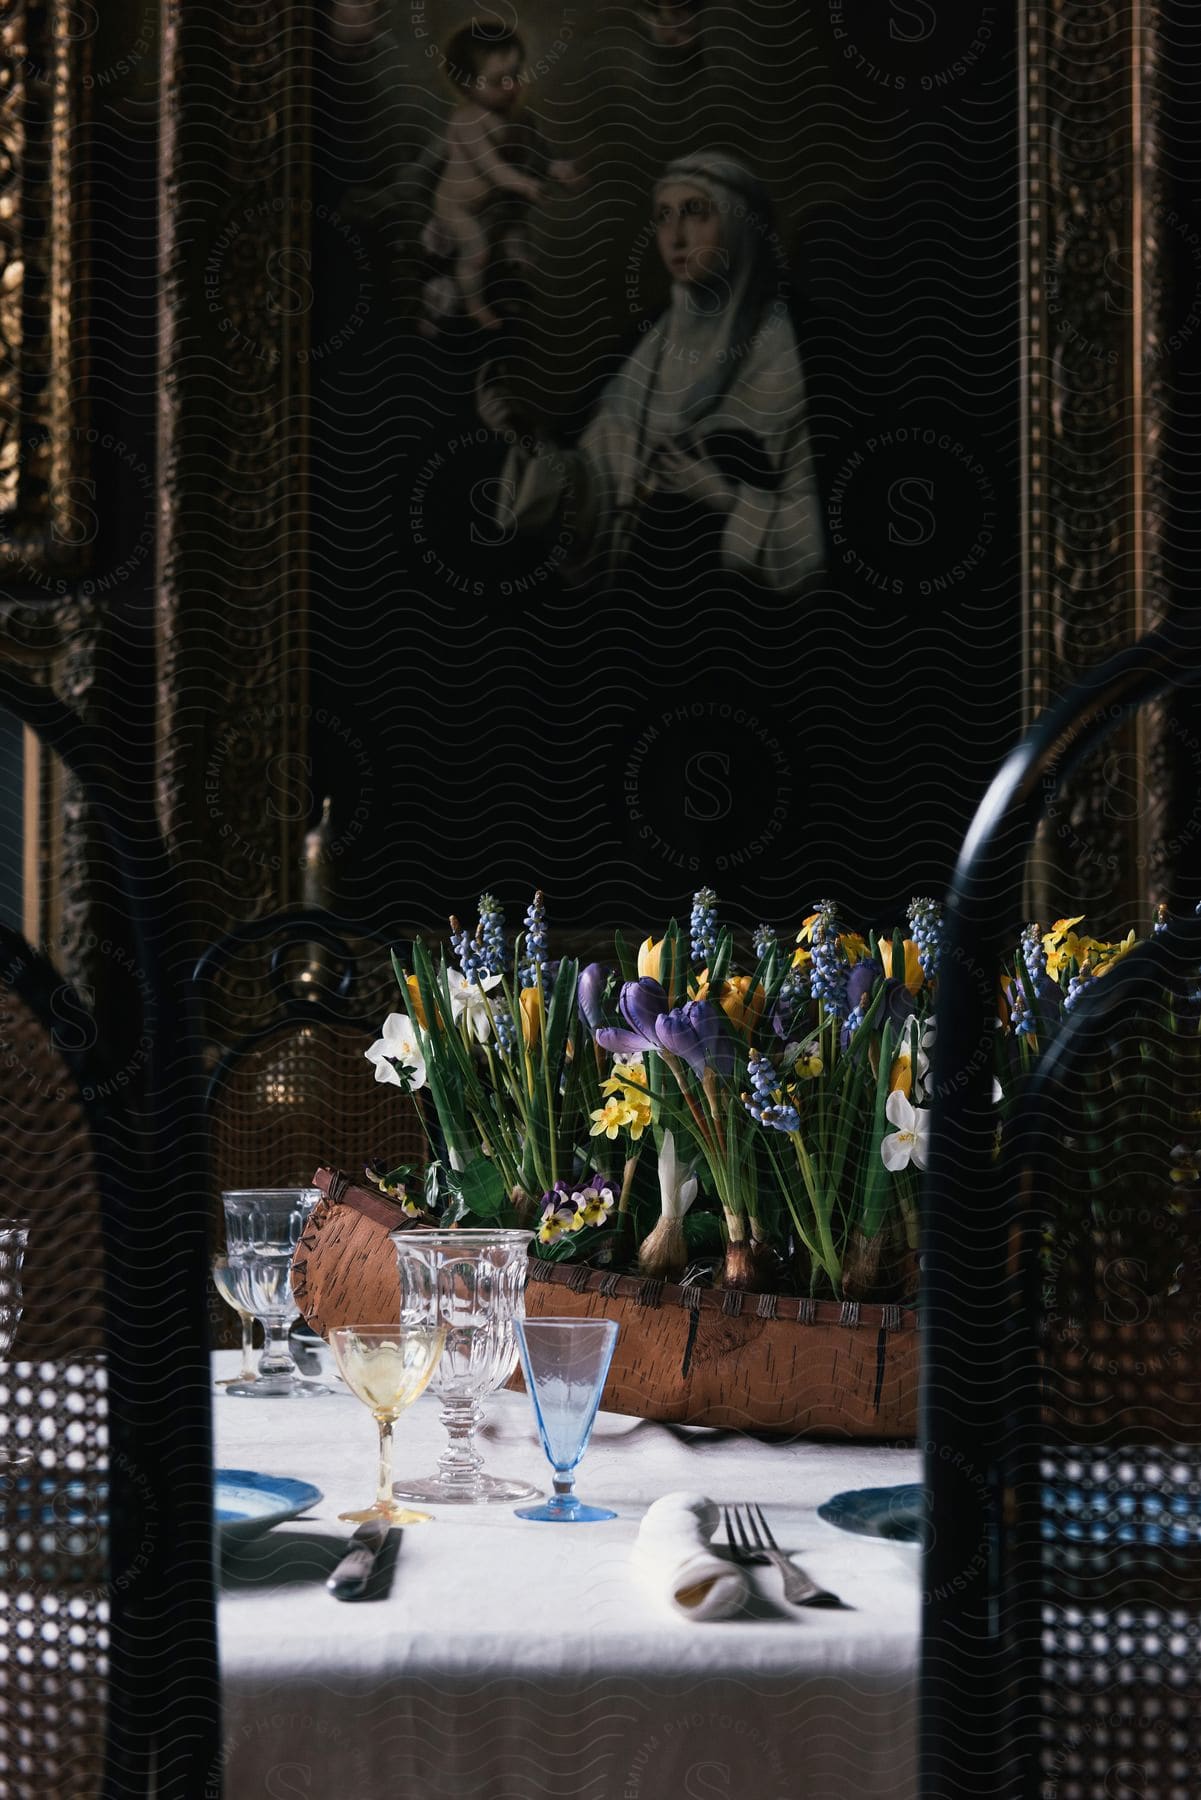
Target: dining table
(498,1658)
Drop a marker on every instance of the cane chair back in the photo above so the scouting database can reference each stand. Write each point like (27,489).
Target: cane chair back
(297,1093)
(106,1493)
(1061,1316)
(55,1553)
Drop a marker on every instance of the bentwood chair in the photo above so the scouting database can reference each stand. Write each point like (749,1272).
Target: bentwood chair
(297,1092)
(108,1672)
(1061,1319)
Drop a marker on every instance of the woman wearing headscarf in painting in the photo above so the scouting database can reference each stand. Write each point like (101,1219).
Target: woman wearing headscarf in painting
(697,464)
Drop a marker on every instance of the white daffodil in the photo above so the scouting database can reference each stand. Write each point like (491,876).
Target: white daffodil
(468,997)
(398,1045)
(908,1142)
(677,1183)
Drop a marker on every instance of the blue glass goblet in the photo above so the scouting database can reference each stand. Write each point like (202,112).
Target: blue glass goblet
(565,1362)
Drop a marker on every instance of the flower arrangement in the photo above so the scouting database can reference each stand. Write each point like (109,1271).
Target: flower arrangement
(696,1109)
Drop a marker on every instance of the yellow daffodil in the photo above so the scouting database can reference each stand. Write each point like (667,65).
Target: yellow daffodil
(1113,953)
(802,958)
(531,1015)
(640,1114)
(650,959)
(610,1117)
(913,976)
(416,1010)
(633,1104)
(854,945)
(1061,945)
(805,934)
(631,1074)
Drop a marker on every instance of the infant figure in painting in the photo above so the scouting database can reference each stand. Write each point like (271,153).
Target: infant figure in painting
(497,166)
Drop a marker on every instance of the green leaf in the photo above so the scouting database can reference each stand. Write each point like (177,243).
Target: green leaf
(720,962)
(627,959)
(482,1189)
(874,1203)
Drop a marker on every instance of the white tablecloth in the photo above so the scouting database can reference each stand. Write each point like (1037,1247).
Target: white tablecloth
(520,1661)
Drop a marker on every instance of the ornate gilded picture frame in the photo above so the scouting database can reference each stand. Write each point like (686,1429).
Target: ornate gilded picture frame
(44,515)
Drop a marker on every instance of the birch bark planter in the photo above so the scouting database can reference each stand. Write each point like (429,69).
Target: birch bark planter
(765,1363)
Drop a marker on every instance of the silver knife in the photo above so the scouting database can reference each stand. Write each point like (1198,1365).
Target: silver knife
(354,1571)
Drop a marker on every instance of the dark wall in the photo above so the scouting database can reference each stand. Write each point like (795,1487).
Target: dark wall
(620,755)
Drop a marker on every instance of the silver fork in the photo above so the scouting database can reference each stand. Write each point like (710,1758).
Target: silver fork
(755,1544)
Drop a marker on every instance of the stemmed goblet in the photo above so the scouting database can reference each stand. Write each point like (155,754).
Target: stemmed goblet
(223,1281)
(386,1367)
(565,1362)
(262,1228)
(472,1283)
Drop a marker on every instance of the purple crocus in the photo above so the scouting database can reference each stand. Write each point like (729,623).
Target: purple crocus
(899,1003)
(641,1004)
(695,1033)
(594,994)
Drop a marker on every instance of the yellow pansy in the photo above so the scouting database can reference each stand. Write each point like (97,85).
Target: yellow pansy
(808,1065)
(913,976)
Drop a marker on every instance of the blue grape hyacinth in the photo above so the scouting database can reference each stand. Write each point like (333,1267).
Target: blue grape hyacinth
(535,942)
(762,1104)
(704,925)
(926,930)
(830,967)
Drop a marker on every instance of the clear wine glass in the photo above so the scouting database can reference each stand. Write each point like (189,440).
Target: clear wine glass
(386,1367)
(565,1362)
(223,1281)
(472,1283)
(13,1239)
(262,1228)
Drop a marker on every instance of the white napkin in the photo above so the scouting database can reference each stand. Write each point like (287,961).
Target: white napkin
(672,1555)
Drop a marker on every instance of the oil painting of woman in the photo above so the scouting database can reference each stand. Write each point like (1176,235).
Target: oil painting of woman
(696,468)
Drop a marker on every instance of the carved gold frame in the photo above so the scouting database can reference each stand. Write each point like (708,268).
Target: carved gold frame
(1094,412)
(231,611)
(43,85)
(232,608)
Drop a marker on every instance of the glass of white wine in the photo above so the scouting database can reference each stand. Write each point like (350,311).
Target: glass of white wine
(223,1281)
(387,1367)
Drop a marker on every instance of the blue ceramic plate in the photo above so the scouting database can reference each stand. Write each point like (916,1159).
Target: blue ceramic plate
(247,1503)
(896,1513)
